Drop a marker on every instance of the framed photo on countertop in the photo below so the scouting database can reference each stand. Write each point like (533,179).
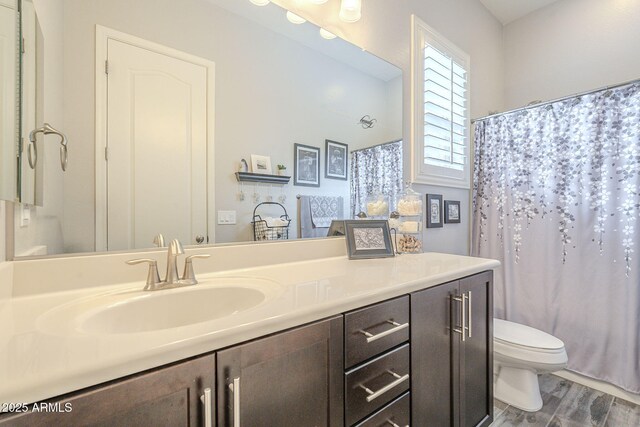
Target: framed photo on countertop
(368,239)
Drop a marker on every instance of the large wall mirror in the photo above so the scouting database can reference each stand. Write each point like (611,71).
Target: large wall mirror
(136,116)
(9,71)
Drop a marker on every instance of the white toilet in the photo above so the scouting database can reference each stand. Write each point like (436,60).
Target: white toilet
(520,353)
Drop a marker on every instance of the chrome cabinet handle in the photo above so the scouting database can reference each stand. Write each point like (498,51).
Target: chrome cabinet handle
(206,399)
(375,394)
(391,423)
(397,327)
(463,316)
(235,389)
(469,314)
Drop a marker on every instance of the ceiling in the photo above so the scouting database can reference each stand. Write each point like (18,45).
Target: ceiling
(509,10)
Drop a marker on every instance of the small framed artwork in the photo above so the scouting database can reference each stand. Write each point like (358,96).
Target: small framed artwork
(336,160)
(261,164)
(306,165)
(368,239)
(451,212)
(434,210)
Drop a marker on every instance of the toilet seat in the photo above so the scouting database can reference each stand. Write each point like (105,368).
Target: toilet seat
(515,342)
(524,336)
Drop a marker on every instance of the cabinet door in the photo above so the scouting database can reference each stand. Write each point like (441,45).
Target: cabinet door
(476,358)
(165,397)
(433,349)
(294,378)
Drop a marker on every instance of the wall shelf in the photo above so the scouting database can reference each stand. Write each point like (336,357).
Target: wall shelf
(258,177)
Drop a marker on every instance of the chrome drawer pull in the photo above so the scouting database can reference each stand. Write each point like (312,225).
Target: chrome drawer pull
(206,399)
(391,423)
(375,394)
(396,327)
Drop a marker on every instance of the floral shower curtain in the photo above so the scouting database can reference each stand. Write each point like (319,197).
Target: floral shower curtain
(376,170)
(556,200)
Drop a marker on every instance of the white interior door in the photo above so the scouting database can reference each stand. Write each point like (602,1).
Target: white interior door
(156,147)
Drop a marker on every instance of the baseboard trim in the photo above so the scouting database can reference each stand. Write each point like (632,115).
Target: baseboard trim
(599,385)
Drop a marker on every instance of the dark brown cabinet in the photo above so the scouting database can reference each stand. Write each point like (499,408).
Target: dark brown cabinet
(452,353)
(293,378)
(170,396)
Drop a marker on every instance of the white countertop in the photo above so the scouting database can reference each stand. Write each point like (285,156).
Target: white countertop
(38,361)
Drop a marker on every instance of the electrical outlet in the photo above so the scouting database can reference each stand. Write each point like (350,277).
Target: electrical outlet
(226,217)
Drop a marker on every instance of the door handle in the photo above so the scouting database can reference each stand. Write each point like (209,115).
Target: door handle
(463,317)
(206,399)
(235,389)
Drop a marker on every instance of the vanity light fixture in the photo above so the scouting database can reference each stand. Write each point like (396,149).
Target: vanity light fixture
(260,2)
(295,19)
(351,10)
(326,34)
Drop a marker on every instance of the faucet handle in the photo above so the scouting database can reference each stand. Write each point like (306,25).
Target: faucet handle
(153,278)
(188,273)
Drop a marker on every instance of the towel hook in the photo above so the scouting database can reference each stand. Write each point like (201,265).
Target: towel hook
(32,152)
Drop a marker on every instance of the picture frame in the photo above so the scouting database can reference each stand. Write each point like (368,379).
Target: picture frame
(336,164)
(434,211)
(452,212)
(368,239)
(306,165)
(261,164)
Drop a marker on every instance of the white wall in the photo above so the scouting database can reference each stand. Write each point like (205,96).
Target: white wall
(569,47)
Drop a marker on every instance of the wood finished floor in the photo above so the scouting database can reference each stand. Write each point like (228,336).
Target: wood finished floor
(567,404)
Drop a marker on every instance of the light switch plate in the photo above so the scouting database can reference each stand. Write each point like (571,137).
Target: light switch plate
(25,215)
(226,217)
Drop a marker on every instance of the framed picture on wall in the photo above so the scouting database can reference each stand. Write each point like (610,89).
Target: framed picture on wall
(368,239)
(434,211)
(261,164)
(451,212)
(306,165)
(336,160)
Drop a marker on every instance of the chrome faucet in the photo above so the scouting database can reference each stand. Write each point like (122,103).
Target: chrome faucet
(172,278)
(175,248)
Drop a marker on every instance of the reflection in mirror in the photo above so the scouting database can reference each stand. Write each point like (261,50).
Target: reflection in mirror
(160,102)
(8,94)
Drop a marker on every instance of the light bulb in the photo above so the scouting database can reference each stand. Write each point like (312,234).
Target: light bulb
(295,19)
(318,1)
(351,10)
(326,34)
(260,2)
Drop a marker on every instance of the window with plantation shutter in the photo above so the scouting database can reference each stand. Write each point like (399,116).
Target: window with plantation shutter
(441,110)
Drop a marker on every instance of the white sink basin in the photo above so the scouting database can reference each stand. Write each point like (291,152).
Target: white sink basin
(135,311)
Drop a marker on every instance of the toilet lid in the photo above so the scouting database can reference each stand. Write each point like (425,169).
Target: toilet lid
(523,335)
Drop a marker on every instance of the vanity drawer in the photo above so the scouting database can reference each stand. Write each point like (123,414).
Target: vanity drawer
(397,412)
(376,383)
(375,329)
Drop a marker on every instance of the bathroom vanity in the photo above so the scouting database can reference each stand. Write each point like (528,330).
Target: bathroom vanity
(404,340)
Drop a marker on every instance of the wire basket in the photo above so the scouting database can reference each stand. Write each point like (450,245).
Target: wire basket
(263,231)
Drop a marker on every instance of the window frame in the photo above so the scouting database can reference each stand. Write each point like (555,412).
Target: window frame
(422,172)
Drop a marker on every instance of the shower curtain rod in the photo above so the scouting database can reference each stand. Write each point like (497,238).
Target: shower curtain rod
(539,104)
(377,145)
